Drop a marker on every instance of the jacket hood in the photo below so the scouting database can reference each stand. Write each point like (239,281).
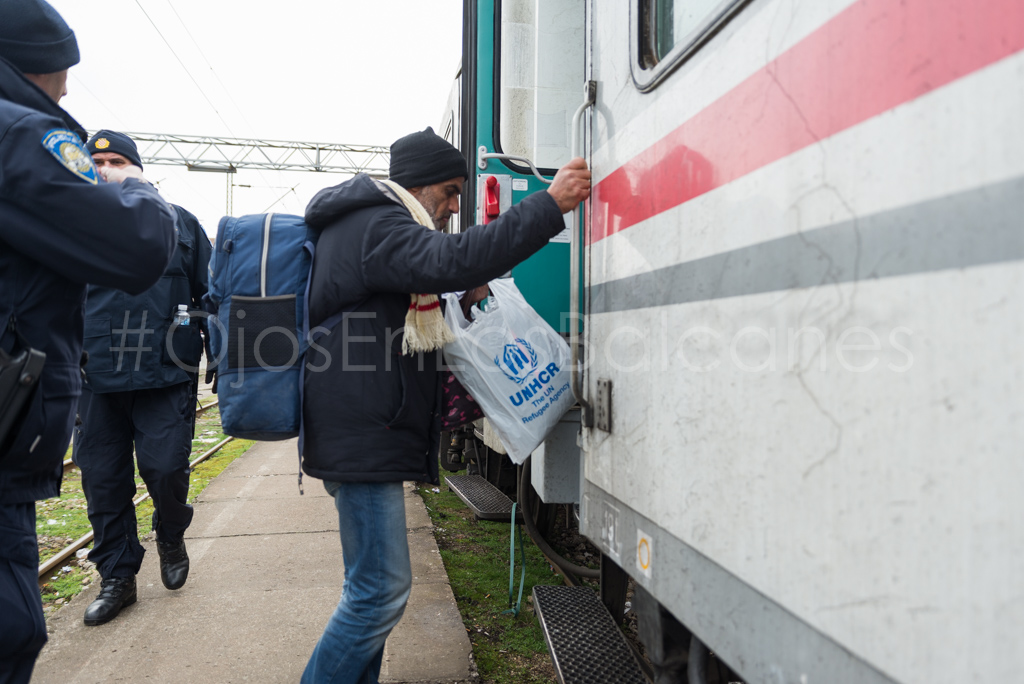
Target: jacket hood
(15,88)
(332,203)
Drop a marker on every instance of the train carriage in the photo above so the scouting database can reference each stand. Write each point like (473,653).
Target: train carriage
(798,316)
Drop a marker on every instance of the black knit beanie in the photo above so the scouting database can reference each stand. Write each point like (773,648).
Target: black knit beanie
(425,158)
(112,141)
(34,38)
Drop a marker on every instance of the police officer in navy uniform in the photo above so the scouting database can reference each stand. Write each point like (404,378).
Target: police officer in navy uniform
(63,224)
(140,395)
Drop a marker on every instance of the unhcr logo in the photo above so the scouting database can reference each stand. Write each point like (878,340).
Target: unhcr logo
(518,361)
(538,390)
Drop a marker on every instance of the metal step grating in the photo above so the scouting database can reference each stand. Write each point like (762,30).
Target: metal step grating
(485,500)
(586,646)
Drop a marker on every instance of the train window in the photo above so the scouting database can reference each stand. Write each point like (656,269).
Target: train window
(665,32)
(540,72)
(676,20)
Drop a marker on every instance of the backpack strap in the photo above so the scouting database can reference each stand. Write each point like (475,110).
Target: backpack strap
(311,248)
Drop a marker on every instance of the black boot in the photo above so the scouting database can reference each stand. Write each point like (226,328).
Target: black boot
(115,594)
(173,563)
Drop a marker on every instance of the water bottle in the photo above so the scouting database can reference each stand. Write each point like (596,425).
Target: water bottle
(182,317)
(483,306)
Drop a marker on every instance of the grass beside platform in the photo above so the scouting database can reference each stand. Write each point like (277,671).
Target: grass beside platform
(60,521)
(507,649)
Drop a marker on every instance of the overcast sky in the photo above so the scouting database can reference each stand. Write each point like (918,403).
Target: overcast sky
(338,71)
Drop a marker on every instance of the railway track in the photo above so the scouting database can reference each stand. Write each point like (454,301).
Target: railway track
(70,550)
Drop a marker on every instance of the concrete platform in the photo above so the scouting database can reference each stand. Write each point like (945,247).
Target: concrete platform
(266,574)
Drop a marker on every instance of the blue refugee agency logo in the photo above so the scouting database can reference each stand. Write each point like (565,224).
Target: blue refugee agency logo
(518,361)
(66,148)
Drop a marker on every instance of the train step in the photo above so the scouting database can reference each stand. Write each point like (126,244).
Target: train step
(485,500)
(585,644)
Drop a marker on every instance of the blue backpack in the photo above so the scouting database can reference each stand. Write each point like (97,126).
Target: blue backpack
(259,280)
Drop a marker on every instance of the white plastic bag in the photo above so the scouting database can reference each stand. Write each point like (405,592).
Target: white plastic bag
(514,364)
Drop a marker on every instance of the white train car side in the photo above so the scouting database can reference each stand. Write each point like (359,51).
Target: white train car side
(805,269)
(802,278)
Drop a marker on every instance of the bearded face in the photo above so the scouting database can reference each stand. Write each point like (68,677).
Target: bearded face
(441,200)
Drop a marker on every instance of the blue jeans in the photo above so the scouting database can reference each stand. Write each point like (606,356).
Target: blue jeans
(378,579)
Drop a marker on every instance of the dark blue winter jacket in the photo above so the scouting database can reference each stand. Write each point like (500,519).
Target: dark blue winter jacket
(371,414)
(60,228)
(130,340)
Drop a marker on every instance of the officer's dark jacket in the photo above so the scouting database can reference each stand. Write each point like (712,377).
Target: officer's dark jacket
(58,232)
(370,413)
(130,340)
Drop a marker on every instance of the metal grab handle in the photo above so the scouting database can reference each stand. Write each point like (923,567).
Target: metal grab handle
(482,155)
(590,96)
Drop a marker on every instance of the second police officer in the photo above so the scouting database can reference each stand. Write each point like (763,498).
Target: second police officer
(139,396)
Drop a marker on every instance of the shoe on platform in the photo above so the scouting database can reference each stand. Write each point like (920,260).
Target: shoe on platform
(115,594)
(173,563)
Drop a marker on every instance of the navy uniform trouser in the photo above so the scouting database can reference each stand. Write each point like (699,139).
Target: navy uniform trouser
(22,627)
(159,423)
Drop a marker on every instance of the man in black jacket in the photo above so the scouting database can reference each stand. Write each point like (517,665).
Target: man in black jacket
(63,223)
(371,412)
(139,397)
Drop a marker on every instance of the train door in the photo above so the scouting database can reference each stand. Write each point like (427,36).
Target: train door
(526,86)
(520,83)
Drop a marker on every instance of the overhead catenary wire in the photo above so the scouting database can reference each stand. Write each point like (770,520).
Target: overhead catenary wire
(206,96)
(183,66)
(290,190)
(98,99)
(227,91)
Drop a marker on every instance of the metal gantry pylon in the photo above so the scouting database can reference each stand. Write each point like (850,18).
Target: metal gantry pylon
(209,153)
(228,155)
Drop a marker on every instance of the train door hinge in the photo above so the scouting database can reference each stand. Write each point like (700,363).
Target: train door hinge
(603,405)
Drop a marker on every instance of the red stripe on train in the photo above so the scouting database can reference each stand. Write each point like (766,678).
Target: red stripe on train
(868,59)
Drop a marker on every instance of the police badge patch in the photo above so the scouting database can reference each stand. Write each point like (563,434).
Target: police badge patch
(71,153)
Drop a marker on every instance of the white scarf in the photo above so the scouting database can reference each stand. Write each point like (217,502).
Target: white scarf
(425,329)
